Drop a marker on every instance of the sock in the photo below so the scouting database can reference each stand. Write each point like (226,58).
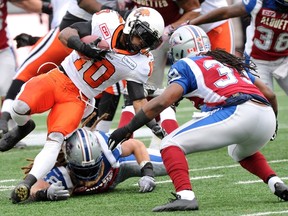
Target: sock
(104,126)
(46,159)
(30,180)
(169,125)
(186,194)
(177,167)
(168,120)
(272,181)
(126,116)
(258,165)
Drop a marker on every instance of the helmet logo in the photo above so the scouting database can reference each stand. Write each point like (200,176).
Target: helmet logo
(200,44)
(142,12)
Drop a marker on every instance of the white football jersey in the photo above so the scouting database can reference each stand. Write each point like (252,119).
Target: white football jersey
(94,77)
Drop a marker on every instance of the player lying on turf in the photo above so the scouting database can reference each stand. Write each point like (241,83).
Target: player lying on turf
(87,166)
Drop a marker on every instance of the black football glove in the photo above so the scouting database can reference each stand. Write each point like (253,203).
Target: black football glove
(118,136)
(24,39)
(159,131)
(90,50)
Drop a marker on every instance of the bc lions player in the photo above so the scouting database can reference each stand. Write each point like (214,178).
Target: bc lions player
(66,91)
(91,168)
(241,114)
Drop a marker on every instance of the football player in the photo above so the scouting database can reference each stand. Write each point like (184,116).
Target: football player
(47,52)
(241,114)
(91,168)
(266,35)
(69,89)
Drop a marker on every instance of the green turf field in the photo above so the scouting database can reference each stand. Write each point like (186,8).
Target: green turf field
(222,187)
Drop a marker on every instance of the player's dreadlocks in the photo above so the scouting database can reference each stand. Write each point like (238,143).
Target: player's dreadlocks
(230,60)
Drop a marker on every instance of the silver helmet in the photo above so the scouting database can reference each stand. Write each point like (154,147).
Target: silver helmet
(83,154)
(187,41)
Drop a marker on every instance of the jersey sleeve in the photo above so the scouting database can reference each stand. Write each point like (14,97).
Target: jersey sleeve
(59,174)
(111,156)
(249,5)
(182,74)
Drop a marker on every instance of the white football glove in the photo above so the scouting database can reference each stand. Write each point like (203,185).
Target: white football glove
(56,192)
(146,184)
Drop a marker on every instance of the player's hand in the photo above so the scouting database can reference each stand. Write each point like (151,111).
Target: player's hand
(24,39)
(57,191)
(146,184)
(159,131)
(118,136)
(275,133)
(92,51)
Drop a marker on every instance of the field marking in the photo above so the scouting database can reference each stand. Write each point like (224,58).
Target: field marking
(266,213)
(231,166)
(256,181)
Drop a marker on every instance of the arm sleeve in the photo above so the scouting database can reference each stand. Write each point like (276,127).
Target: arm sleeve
(83,28)
(135,90)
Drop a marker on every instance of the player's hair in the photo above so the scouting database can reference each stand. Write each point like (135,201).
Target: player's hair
(231,60)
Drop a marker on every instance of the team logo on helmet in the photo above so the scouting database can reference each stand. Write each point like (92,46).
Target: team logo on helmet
(142,12)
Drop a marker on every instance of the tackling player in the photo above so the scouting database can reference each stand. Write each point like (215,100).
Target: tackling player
(241,114)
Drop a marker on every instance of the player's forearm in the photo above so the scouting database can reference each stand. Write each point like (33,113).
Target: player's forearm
(219,14)
(35,6)
(91,6)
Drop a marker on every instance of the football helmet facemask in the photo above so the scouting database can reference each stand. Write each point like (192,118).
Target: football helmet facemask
(83,154)
(147,24)
(188,41)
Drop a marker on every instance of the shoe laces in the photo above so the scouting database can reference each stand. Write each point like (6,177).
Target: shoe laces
(177,197)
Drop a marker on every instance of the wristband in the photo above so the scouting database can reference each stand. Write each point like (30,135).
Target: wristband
(138,121)
(75,43)
(147,170)
(41,195)
(47,8)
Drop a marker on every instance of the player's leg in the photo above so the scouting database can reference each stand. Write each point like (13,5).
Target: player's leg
(63,119)
(223,37)
(8,67)
(247,152)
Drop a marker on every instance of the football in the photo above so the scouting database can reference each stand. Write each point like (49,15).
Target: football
(90,39)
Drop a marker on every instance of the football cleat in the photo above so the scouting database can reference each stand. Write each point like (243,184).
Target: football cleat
(20,193)
(281,190)
(12,137)
(178,204)
(3,127)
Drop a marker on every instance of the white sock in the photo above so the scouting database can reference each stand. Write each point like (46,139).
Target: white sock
(104,126)
(46,159)
(272,182)
(186,194)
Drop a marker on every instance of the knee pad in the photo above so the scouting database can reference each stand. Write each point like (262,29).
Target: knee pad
(56,136)
(20,112)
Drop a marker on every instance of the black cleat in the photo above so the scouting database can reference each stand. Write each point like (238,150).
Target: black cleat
(281,190)
(178,204)
(3,127)
(20,193)
(12,137)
